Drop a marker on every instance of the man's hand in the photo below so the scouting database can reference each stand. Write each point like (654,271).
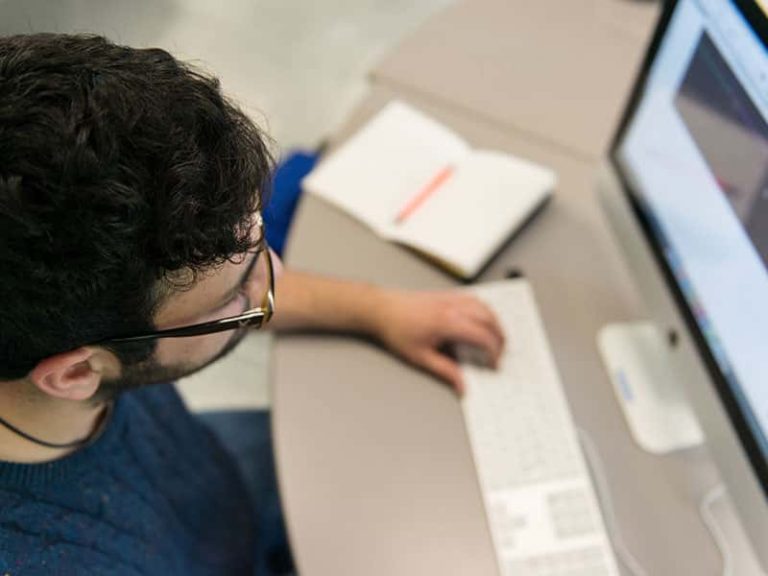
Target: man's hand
(417,326)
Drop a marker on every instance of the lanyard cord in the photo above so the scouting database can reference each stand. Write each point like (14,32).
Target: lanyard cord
(74,444)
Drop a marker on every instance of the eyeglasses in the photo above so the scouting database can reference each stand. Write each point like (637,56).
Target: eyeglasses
(252,317)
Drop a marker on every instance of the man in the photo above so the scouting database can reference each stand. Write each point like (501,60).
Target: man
(132,253)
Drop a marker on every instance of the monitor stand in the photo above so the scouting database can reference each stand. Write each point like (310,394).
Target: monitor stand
(720,516)
(638,361)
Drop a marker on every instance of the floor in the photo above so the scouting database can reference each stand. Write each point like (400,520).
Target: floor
(296,67)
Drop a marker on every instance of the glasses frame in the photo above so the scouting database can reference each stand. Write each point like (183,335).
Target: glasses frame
(253,317)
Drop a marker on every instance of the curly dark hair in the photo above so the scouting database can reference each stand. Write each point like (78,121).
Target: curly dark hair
(119,168)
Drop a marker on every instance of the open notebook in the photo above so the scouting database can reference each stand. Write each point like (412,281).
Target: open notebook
(415,182)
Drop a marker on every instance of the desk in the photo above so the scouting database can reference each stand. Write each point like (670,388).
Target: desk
(555,70)
(372,457)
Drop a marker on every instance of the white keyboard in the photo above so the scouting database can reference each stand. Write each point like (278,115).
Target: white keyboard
(540,502)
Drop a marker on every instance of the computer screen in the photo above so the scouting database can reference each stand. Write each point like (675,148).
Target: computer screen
(694,152)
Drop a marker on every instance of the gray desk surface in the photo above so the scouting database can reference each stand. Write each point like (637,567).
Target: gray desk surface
(373,459)
(556,70)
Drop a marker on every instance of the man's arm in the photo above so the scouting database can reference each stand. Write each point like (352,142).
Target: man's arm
(309,301)
(414,325)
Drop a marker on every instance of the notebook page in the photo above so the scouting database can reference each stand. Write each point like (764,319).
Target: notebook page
(489,195)
(375,173)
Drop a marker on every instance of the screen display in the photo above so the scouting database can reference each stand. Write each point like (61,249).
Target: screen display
(695,154)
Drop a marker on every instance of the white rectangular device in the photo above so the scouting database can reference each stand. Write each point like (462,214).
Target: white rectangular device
(540,501)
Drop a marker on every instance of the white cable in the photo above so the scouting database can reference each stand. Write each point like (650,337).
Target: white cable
(603,493)
(705,509)
(717,534)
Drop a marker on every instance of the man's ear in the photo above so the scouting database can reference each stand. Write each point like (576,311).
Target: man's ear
(73,375)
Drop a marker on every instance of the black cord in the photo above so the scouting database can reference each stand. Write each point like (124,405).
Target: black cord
(26,436)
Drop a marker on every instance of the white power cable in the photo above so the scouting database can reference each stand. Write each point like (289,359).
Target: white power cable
(705,509)
(603,493)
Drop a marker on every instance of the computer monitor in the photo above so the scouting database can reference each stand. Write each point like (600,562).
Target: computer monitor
(685,189)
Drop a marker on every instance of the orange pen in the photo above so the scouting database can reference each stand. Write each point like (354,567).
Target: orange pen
(440,178)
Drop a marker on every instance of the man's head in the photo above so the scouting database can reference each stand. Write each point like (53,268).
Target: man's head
(129,190)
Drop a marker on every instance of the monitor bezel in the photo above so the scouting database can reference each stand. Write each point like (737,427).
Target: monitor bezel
(759,22)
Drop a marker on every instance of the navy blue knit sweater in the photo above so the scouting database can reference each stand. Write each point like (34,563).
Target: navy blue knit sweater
(156,494)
